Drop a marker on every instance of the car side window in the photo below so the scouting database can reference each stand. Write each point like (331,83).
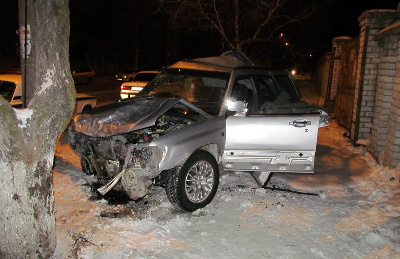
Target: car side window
(242,90)
(259,91)
(263,94)
(288,88)
(85,70)
(267,91)
(271,96)
(278,95)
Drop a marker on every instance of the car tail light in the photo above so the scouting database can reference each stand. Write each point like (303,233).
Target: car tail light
(125,87)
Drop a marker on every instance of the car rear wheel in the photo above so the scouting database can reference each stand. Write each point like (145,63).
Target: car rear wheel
(86,108)
(195,184)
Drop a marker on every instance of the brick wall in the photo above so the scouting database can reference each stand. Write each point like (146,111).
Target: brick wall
(375,116)
(386,130)
(371,22)
(384,91)
(378,57)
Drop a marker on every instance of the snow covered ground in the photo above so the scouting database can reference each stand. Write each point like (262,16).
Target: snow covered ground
(350,208)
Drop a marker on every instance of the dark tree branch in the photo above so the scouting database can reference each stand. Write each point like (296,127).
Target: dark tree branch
(239,23)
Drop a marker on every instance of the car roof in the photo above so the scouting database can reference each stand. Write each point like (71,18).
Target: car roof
(11,77)
(227,62)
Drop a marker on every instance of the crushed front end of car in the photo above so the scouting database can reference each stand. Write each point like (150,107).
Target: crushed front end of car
(114,141)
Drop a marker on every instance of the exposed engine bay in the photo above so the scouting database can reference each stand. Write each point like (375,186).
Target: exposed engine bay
(129,156)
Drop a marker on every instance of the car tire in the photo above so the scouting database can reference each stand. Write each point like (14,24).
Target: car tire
(195,184)
(86,165)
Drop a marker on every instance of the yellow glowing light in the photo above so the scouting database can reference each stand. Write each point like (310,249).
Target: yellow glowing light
(293,72)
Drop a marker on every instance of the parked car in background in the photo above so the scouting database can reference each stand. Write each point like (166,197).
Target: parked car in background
(83,75)
(130,89)
(193,118)
(11,90)
(126,75)
(84,103)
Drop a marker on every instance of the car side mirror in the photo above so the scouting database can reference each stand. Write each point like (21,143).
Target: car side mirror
(240,107)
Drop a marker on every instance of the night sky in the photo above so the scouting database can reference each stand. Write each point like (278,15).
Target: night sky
(113,35)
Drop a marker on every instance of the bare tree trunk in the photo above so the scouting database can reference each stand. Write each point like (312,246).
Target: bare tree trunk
(29,136)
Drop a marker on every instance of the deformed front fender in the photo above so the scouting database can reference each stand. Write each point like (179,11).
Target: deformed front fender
(180,144)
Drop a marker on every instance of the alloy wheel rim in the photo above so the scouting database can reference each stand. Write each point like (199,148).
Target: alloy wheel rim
(199,181)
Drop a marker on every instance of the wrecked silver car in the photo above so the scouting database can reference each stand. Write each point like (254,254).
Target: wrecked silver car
(195,118)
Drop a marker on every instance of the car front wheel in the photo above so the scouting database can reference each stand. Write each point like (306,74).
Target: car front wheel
(195,184)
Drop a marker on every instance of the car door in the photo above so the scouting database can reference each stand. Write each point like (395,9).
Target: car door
(282,139)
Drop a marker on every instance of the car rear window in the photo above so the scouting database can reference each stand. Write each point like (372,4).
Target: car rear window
(82,69)
(144,77)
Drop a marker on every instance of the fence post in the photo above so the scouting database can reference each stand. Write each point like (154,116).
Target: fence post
(371,22)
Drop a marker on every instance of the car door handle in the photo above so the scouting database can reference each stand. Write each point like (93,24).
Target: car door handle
(300,124)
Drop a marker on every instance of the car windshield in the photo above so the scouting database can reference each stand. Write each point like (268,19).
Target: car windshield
(205,89)
(7,90)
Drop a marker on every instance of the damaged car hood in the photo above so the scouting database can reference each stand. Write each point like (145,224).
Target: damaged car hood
(125,116)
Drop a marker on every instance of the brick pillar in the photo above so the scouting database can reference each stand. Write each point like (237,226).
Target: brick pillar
(385,136)
(371,22)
